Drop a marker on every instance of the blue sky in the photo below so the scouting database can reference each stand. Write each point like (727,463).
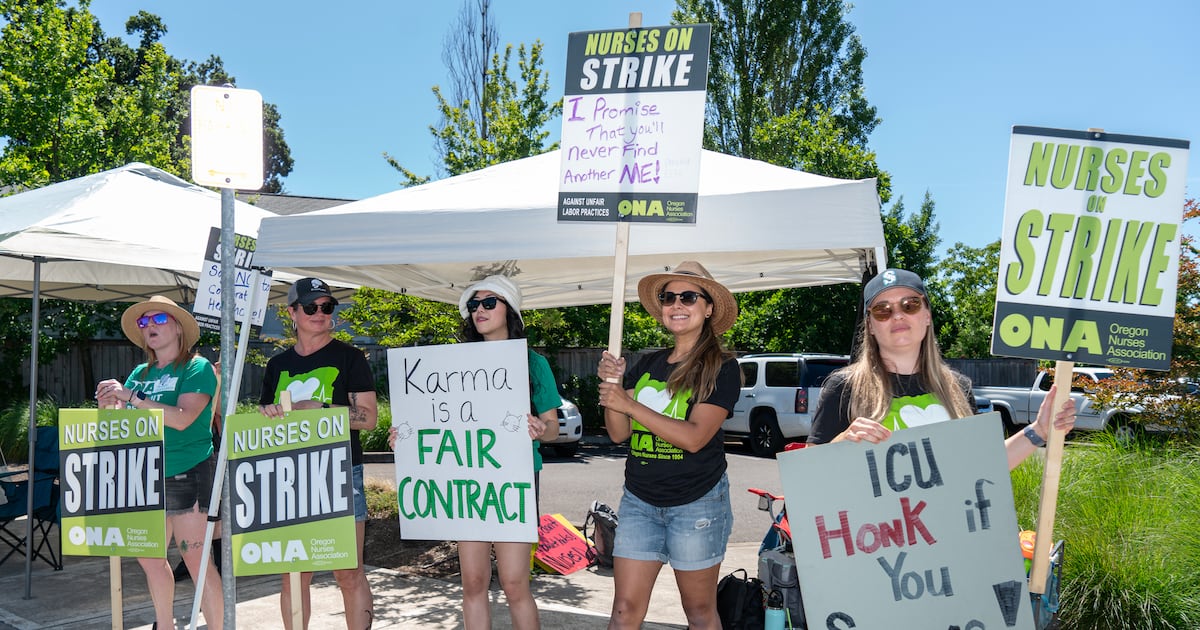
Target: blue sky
(949,79)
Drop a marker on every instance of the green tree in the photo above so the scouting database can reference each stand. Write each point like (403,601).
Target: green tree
(967,276)
(176,109)
(1164,396)
(494,117)
(769,58)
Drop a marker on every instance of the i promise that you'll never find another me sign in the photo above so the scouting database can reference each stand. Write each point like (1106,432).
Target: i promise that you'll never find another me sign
(464,459)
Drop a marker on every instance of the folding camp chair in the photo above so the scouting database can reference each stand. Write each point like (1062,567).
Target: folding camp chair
(44,472)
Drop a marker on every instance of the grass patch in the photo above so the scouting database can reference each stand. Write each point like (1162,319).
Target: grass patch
(1129,516)
(14,427)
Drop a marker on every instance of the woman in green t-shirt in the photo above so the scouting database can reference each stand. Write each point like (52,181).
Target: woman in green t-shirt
(183,386)
(491,311)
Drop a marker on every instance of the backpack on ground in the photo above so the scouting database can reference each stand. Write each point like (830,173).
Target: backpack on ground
(740,601)
(777,571)
(600,529)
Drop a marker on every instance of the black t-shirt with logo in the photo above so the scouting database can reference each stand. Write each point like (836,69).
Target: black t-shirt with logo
(657,471)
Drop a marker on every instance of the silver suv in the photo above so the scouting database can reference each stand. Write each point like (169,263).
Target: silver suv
(779,397)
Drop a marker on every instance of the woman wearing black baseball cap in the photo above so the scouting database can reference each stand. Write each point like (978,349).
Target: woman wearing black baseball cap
(898,378)
(319,371)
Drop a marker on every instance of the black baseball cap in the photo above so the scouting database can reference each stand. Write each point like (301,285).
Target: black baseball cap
(306,291)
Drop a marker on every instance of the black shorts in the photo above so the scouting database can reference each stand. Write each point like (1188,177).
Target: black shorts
(191,488)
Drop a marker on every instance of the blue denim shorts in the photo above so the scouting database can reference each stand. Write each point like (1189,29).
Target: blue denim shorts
(191,488)
(360,494)
(689,537)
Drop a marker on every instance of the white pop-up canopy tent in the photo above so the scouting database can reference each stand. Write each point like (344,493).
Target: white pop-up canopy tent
(121,235)
(758,226)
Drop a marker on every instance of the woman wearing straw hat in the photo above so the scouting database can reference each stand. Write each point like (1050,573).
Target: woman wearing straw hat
(491,311)
(899,369)
(675,508)
(182,385)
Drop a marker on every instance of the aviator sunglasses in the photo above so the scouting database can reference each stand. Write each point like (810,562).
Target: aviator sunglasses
(488,303)
(688,298)
(882,311)
(311,309)
(159,319)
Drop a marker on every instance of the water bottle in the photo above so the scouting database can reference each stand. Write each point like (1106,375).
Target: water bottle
(775,612)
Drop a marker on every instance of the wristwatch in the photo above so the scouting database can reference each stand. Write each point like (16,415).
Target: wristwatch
(1033,437)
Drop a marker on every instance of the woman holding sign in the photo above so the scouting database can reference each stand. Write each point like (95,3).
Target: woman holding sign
(675,507)
(491,311)
(319,371)
(898,377)
(182,385)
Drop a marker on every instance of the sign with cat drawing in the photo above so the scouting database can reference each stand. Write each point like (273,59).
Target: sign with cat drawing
(464,458)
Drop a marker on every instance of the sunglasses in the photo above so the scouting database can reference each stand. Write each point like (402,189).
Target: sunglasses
(688,298)
(159,319)
(911,305)
(311,309)
(488,303)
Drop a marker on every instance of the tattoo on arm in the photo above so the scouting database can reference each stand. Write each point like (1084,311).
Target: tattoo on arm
(358,416)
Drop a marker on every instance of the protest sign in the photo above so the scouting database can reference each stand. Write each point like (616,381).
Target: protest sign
(916,532)
(464,459)
(208,294)
(561,546)
(1089,255)
(291,492)
(633,121)
(111,482)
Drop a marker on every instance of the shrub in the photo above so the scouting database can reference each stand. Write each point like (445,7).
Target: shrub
(1127,514)
(14,427)
(375,440)
(381,500)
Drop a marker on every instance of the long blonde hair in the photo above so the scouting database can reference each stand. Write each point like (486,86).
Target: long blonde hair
(871,386)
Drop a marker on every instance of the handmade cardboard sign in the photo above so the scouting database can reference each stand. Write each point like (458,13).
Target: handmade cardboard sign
(1089,256)
(464,458)
(291,492)
(633,120)
(111,482)
(923,526)
(208,294)
(561,546)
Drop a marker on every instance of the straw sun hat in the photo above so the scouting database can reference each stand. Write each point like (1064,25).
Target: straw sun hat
(725,309)
(191,330)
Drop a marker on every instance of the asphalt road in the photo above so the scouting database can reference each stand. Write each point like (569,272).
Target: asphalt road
(570,484)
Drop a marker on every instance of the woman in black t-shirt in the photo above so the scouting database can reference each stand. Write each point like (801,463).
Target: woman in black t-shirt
(898,378)
(670,408)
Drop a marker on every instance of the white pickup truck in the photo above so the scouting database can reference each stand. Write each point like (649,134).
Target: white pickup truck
(1019,405)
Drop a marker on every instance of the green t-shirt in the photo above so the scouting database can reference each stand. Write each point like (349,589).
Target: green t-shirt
(543,394)
(186,448)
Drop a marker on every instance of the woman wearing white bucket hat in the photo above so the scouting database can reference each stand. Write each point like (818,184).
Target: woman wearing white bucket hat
(491,311)
(676,507)
(183,386)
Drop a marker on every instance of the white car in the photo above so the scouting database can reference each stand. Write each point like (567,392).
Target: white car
(570,430)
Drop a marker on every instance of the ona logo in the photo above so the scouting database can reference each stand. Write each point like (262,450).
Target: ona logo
(273,551)
(96,536)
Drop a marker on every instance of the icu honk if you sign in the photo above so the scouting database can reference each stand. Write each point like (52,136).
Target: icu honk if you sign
(291,492)
(1089,256)
(464,459)
(111,482)
(916,532)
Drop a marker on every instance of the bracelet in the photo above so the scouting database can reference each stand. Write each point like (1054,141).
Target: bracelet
(1033,437)
(130,401)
